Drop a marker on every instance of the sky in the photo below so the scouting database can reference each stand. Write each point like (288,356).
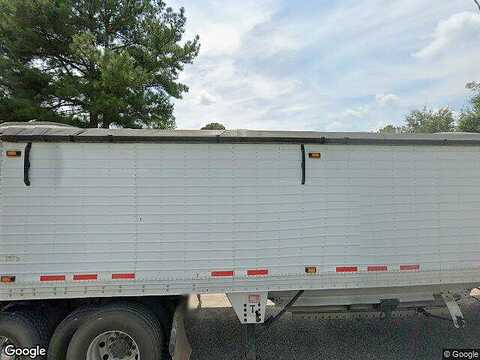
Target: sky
(326,65)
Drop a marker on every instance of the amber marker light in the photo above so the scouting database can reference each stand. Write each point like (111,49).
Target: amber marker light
(14,153)
(6,279)
(314,155)
(310,269)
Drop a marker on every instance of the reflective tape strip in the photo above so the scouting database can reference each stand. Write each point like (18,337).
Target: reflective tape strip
(346,269)
(52,278)
(127,276)
(377,268)
(256,272)
(85,277)
(222,273)
(409,267)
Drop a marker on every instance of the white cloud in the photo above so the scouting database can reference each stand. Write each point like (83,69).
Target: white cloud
(274,39)
(386,99)
(358,112)
(327,65)
(336,126)
(220,39)
(458,31)
(206,99)
(223,24)
(236,98)
(294,108)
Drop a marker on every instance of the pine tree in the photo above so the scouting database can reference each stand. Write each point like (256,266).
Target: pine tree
(92,63)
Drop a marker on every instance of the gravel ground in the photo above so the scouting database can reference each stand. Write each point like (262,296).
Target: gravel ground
(215,334)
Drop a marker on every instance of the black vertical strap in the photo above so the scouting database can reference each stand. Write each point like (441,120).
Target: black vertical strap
(26,164)
(303,163)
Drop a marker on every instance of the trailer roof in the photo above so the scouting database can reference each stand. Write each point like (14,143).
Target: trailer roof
(50,132)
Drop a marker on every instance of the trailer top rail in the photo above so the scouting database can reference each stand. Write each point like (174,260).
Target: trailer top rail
(50,132)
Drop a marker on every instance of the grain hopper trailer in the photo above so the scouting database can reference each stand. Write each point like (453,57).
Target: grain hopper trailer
(103,233)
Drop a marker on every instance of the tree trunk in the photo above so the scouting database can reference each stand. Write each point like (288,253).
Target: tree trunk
(93,120)
(106,121)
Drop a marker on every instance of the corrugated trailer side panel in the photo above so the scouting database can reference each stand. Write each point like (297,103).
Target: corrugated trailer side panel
(180,218)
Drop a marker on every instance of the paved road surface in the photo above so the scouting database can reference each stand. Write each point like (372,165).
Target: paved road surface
(215,334)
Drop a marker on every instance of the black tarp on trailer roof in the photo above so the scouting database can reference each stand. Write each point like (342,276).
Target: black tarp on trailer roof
(40,132)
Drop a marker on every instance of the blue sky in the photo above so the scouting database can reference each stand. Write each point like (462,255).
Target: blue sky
(326,65)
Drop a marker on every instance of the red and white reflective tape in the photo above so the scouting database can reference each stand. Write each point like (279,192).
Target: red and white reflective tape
(226,273)
(375,268)
(410,267)
(126,276)
(52,278)
(257,272)
(223,273)
(231,273)
(343,269)
(86,277)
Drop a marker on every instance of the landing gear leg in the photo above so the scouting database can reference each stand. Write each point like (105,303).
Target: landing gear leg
(250,343)
(250,309)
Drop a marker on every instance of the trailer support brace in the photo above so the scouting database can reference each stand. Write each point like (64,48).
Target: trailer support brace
(454,309)
(249,307)
(250,341)
(272,319)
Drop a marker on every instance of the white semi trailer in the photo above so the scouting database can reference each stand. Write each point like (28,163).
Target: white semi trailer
(104,232)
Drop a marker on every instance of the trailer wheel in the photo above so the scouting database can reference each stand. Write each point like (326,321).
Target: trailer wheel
(57,350)
(166,322)
(23,330)
(164,310)
(54,315)
(120,332)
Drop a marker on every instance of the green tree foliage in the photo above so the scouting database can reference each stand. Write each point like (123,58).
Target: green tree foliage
(94,63)
(477,3)
(213,126)
(430,121)
(391,129)
(424,121)
(470,118)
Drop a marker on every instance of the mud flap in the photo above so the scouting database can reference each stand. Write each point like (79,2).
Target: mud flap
(179,345)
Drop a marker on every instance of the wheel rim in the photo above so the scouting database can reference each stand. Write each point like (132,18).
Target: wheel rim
(4,342)
(113,345)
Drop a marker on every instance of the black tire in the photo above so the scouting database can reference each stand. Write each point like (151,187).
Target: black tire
(57,350)
(54,315)
(165,319)
(164,310)
(43,316)
(134,320)
(25,329)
